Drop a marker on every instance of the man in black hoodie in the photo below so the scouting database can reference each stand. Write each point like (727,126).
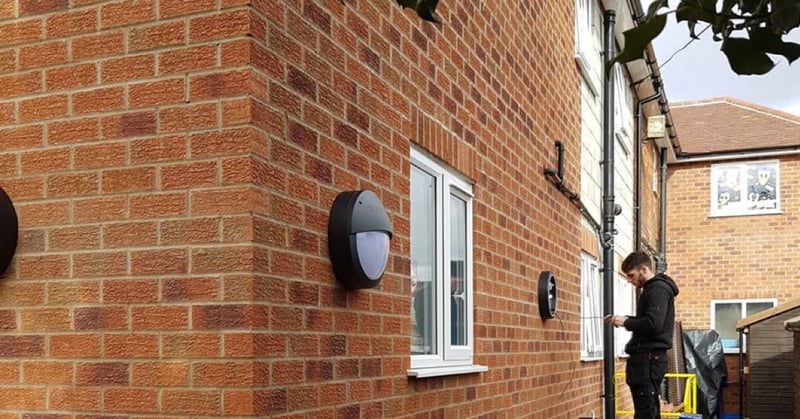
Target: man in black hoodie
(652,333)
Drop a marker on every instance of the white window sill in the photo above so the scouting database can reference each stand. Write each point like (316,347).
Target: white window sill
(745,213)
(443,371)
(732,351)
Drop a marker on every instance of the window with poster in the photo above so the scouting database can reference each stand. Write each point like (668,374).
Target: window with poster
(748,188)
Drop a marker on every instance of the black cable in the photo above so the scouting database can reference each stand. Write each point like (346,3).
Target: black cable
(684,46)
(574,365)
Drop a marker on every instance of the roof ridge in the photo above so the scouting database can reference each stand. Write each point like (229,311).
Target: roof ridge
(766,110)
(753,107)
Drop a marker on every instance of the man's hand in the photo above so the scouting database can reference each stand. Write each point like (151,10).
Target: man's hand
(617,321)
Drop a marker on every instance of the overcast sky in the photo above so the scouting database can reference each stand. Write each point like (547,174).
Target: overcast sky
(701,71)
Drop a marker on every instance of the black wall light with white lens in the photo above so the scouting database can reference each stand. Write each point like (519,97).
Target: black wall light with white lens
(548,295)
(359,232)
(9,231)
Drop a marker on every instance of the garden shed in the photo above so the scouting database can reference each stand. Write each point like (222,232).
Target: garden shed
(770,360)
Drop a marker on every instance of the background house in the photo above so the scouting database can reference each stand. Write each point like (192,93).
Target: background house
(732,212)
(173,164)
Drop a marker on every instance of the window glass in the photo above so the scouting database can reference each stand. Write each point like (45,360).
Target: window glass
(726,315)
(423,267)
(458,278)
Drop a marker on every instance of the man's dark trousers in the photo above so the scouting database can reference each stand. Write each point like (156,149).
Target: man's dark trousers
(644,373)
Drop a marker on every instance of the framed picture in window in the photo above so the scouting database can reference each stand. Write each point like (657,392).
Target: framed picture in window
(747,188)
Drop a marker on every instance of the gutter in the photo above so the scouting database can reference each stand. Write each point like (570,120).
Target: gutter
(736,155)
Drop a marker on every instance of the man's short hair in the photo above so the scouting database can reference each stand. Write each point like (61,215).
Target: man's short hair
(635,260)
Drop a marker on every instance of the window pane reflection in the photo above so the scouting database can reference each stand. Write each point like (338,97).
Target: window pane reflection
(726,315)
(423,262)
(458,275)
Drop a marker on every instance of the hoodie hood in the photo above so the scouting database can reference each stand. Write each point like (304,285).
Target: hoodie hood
(666,280)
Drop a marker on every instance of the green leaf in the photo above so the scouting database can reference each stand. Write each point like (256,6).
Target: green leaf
(745,57)
(727,6)
(710,5)
(655,7)
(749,6)
(637,38)
(694,13)
(785,15)
(771,43)
(426,9)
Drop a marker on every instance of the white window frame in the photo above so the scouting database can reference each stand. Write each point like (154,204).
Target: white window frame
(742,303)
(450,359)
(622,97)
(719,170)
(591,309)
(624,304)
(586,37)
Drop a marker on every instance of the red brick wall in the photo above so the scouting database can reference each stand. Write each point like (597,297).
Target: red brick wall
(173,164)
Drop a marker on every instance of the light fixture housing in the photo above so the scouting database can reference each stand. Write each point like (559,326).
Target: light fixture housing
(548,295)
(9,231)
(359,233)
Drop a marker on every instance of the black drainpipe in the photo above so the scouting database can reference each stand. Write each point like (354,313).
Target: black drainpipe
(608,214)
(637,193)
(662,217)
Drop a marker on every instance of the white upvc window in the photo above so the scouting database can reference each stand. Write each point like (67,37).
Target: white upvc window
(442,341)
(748,188)
(587,40)
(591,309)
(623,99)
(726,313)
(624,304)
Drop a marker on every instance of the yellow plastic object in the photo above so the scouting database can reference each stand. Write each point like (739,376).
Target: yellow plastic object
(689,395)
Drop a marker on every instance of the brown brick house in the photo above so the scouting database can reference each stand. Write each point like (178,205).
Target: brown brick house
(173,164)
(732,213)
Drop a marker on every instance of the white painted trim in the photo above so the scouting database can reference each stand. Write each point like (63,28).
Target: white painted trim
(737,156)
(443,371)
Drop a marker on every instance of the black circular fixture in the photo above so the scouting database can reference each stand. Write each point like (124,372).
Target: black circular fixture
(359,232)
(9,231)
(548,295)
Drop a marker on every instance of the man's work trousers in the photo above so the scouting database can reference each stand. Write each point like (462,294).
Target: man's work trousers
(644,373)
